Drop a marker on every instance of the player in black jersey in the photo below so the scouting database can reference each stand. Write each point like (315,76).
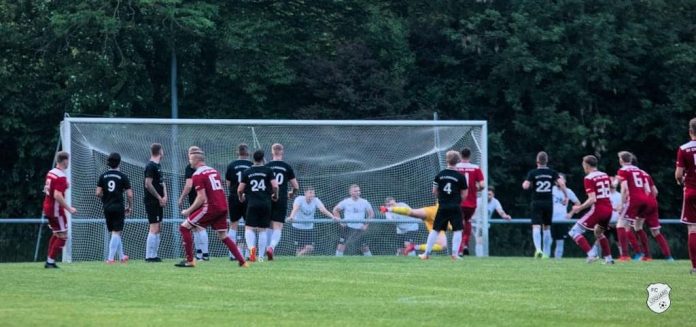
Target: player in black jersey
(110,188)
(285,176)
(155,201)
(541,181)
(233,176)
(200,234)
(258,189)
(450,187)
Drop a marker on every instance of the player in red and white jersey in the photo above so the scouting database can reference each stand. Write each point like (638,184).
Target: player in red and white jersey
(54,207)
(474,179)
(652,220)
(209,209)
(685,173)
(635,198)
(598,189)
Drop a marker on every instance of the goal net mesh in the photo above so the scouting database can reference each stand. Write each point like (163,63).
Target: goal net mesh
(384,160)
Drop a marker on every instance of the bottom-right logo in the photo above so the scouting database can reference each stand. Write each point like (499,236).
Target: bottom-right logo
(658,297)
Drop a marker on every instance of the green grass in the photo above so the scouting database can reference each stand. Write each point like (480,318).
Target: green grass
(349,291)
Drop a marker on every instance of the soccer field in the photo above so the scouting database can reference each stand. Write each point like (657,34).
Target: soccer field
(348,291)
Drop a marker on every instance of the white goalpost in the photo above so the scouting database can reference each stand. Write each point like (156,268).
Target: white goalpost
(385,158)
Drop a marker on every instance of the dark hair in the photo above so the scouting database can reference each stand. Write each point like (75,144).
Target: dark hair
(491,188)
(542,158)
(114,160)
(258,155)
(243,149)
(155,149)
(62,156)
(466,153)
(590,160)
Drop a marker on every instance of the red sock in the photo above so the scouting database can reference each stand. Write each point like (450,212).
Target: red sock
(582,243)
(623,244)
(57,247)
(604,244)
(234,249)
(644,242)
(633,241)
(187,240)
(466,234)
(664,246)
(51,244)
(692,249)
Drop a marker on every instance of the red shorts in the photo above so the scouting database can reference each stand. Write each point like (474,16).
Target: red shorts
(58,224)
(689,207)
(652,217)
(467,213)
(636,208)
(596,216)
(203,218)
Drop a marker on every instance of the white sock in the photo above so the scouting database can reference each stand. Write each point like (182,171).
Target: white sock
(559,249)
(547,242)
(367,253)
(250,236)
(456,241)
(113,246)
(339,253)
(432,237)
(196,241)
(150,246)
(50,260)
(203,237)
(263,242)
(275,238)
(594,251)
(120,251)
(233,234)
(155,248)
(269,236)
(536,236)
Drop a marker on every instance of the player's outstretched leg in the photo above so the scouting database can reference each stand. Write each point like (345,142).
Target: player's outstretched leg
(662,242)
(187,242)
(576,233)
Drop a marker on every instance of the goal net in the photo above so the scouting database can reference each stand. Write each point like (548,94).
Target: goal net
(385,158)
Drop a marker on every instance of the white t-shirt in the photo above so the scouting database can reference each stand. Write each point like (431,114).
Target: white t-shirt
(493,206)
(403,228)
(354,210)
(306,211)
(615,198)
(559,210)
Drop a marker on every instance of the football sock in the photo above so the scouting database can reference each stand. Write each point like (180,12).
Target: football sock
(456,241)
(547,242)
(232,246)
(606,250)
(120,253)
(623,243)
(113,246)
(644,245)
(367,253)
(269,236)
(196,241)
(664,246)
(155,248)
(631,237)
(536,237)
(432,237)
(581,241)
(401,210)
(275,238)
(466,235)
(51,244)
(233,234)
(149,246)
(250,236)
(203,236)
(339,253)
(263,242)
(57,247)
(187,240)
(692,249)
(559,249)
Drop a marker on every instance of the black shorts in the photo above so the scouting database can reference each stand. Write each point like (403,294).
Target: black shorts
(114,219)
(559,231)
(303,237)
(236,209)
(409,237)
(279,210)
(542,213)
(451,215)
(155,213)
(352,235)
(258,216)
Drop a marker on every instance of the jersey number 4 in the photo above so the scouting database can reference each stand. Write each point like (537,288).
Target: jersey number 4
(448,188)
(257,185)
(543,186)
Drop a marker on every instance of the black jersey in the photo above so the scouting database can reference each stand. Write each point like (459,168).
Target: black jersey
(258,188)
(154,170)
(449,183)
(234,173)
(283,173)
(113,183)
(188,174)
(543,179)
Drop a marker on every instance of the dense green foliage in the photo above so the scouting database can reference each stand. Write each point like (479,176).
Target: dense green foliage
(571,77)
(349,291)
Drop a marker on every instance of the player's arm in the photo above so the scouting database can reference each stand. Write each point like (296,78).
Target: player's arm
(129,197)
(679,175)
(201,198)
(526,184)
(591,199)
(337,211)
(100,191)
(274,186)
(151,188)
(479,186)
(436,193)
(573,198)
(58,196)
(187,188)
(624,192)
(499,209)
(326,212)
(240,191)
(164,194)
(295,208)
(463,193)
(561,185)
(294,186)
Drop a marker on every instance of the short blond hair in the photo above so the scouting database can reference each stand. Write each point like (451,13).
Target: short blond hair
(452,157)
(626,157)
(194,149)
(198,156)
(276,148)
(692,125)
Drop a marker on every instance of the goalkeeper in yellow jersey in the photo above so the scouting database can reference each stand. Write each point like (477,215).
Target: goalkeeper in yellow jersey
(427,214)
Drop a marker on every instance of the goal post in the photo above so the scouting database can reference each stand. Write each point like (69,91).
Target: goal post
(397,158)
